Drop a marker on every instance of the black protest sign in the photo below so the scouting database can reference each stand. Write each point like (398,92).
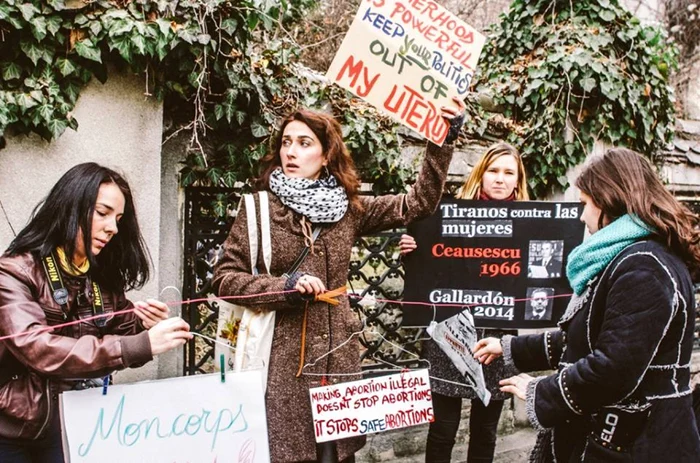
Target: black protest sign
(503,260)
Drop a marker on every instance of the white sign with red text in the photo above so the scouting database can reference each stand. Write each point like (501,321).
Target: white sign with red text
(408,58)
(371,405)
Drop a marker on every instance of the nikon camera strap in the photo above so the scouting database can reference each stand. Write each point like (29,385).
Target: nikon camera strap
(60,293)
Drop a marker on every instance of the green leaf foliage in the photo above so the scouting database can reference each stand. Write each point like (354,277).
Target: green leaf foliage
(220,67)
(580,72)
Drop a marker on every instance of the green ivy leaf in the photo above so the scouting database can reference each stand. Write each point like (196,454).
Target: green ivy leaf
(229,179)
(31,51)
(186,35)
(229,26)
(162,47)
(95,27)
(6,15)
(39,28)
(11,71)
(45,111)
(53,24)
(4,11)
(588,84)
(88,50)
(71,90)
(139,43)
(218,111)
(258,130)
(164,26)
(123,45)
(187,176)
(121,27)
(65,66)
(80,20)
(607,15)
(25,101)
(241,117)
(253,20)
(28,11)
(214,175)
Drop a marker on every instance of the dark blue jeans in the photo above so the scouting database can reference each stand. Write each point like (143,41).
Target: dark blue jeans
(48,449)
(483,424)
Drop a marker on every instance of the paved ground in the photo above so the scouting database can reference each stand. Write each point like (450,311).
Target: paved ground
(510,448)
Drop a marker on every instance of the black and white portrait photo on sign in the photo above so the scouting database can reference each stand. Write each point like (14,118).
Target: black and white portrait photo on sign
(539,304)
(545,259)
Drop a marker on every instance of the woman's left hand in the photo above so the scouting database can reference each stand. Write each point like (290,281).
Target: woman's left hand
(450,112)
(311,285)
(516,385)
(455,117)
(151,312)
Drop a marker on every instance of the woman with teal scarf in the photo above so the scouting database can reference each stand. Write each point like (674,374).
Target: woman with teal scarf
(622,352)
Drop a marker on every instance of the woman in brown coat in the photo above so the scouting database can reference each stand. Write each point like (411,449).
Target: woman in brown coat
(313,183)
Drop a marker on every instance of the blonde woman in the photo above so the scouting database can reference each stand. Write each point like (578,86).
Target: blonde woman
(500,176)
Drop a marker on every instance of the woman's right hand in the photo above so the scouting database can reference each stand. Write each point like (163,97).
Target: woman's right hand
(487,350)
(169,334)
(407,244)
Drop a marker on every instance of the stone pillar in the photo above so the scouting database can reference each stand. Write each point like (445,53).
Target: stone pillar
(692,94)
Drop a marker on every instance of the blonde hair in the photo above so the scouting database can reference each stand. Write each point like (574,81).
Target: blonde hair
(471,189)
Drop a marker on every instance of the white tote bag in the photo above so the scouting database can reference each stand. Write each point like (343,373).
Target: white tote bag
(248,332)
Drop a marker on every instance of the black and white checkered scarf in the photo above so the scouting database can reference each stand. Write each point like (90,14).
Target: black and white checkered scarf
(321,201)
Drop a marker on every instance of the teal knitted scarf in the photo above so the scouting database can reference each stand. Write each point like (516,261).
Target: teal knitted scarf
(592,256)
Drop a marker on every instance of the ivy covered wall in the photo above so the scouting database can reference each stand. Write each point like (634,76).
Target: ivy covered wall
(566,74)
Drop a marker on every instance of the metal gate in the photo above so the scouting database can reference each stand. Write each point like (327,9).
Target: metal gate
(375,270)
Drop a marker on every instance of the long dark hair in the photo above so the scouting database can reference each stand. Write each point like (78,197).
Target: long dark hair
(68,209)
(622,181)
(330,134)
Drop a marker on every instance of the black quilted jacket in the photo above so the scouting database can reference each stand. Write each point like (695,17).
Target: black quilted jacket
(623,349)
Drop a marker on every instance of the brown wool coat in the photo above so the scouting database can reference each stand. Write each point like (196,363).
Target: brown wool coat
(289,419)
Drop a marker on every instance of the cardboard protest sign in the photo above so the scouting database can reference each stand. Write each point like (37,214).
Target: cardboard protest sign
(371,405)
(503,260)
(194,418)
(408,58)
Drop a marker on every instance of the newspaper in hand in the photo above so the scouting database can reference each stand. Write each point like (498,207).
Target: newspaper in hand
(456,336)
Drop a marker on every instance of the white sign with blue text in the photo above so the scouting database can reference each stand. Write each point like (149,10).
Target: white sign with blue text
(181,420)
